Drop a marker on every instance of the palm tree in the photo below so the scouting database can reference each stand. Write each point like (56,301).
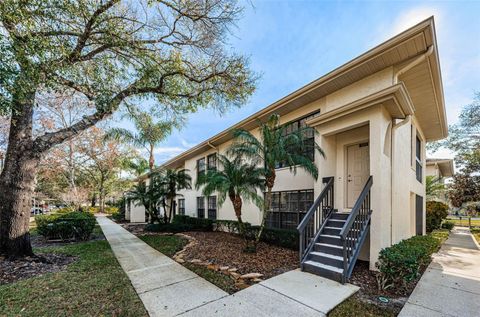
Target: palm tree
(148,133)
(275,147)
(433,186)
(238,180)
(172,181)
(149,196)
(138,166)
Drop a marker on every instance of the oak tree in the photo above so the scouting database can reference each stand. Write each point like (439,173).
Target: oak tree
(170,54)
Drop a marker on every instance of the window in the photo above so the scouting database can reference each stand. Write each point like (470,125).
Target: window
(212,207)
(418,215)
(201,207)
(288,208)
(418,159)
(181,206)
(308,135)
(200,167)
(212,162)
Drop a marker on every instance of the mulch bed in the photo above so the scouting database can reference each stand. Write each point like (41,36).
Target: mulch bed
(18,269)
(136,229)
(369,292)
(225,249)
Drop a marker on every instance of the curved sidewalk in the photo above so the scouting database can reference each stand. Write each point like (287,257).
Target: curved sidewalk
(166,288)
(451,284)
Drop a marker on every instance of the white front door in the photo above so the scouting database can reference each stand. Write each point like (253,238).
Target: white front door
(358,171)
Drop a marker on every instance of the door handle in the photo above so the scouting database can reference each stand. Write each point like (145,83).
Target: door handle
(349,179)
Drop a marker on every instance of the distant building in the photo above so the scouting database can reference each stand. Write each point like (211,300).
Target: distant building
(440,169)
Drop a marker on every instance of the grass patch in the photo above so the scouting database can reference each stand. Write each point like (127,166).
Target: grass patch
(464,222)
(476,234)
(168,245)
(440,234)
(355,307)
(94,285)
(219,279)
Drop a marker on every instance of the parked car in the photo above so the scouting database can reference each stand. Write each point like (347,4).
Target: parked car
(36,211)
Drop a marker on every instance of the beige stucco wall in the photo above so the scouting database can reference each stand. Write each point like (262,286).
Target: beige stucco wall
(393,188)
(433,170)
(137,212)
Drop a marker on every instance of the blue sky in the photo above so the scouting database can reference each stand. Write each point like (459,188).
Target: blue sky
(291,43)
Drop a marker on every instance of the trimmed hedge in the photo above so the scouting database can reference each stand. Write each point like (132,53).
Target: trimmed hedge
(403,262)
(196,223)
(436,213)
(181,223)
(72,225)
(280,237)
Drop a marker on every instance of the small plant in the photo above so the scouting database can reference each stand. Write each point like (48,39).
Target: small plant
(73,225)
(436,213)
(448,225)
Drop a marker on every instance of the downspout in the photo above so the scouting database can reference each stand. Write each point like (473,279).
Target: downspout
(414,63)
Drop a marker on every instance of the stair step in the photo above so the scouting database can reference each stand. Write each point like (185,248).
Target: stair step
(340,215)
(327,271)
(324,266)
(327,255)
(336,223)
(330,239)
(331,230)
(326,258)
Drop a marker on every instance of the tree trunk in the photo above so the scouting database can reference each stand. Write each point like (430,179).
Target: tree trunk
(17,181)
(94,200)
(270,182)
(151,161)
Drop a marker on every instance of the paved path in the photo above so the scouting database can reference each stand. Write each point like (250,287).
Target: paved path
(451,284)
(166,288)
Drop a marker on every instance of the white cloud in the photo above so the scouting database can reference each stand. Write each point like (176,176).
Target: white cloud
(186,144)
(413,16)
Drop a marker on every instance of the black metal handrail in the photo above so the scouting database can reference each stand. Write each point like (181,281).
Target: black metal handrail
(315,219)
(354,230)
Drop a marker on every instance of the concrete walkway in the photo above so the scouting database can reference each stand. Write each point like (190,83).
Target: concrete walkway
(451,284)
(166,288)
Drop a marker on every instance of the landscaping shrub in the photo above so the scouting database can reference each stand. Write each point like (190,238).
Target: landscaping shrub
(64,210)
(280,237)
(230,226)
(436,213)
(402,263)
(168,227)
(111,210)
(448,225)
(182,223)
(200,224)
(73,225)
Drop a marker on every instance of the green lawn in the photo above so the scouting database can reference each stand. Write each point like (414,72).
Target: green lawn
(168,245)
(94,285)
(355,307)
(464,222)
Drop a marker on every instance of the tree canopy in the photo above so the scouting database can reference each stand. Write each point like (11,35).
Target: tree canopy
(110,52)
